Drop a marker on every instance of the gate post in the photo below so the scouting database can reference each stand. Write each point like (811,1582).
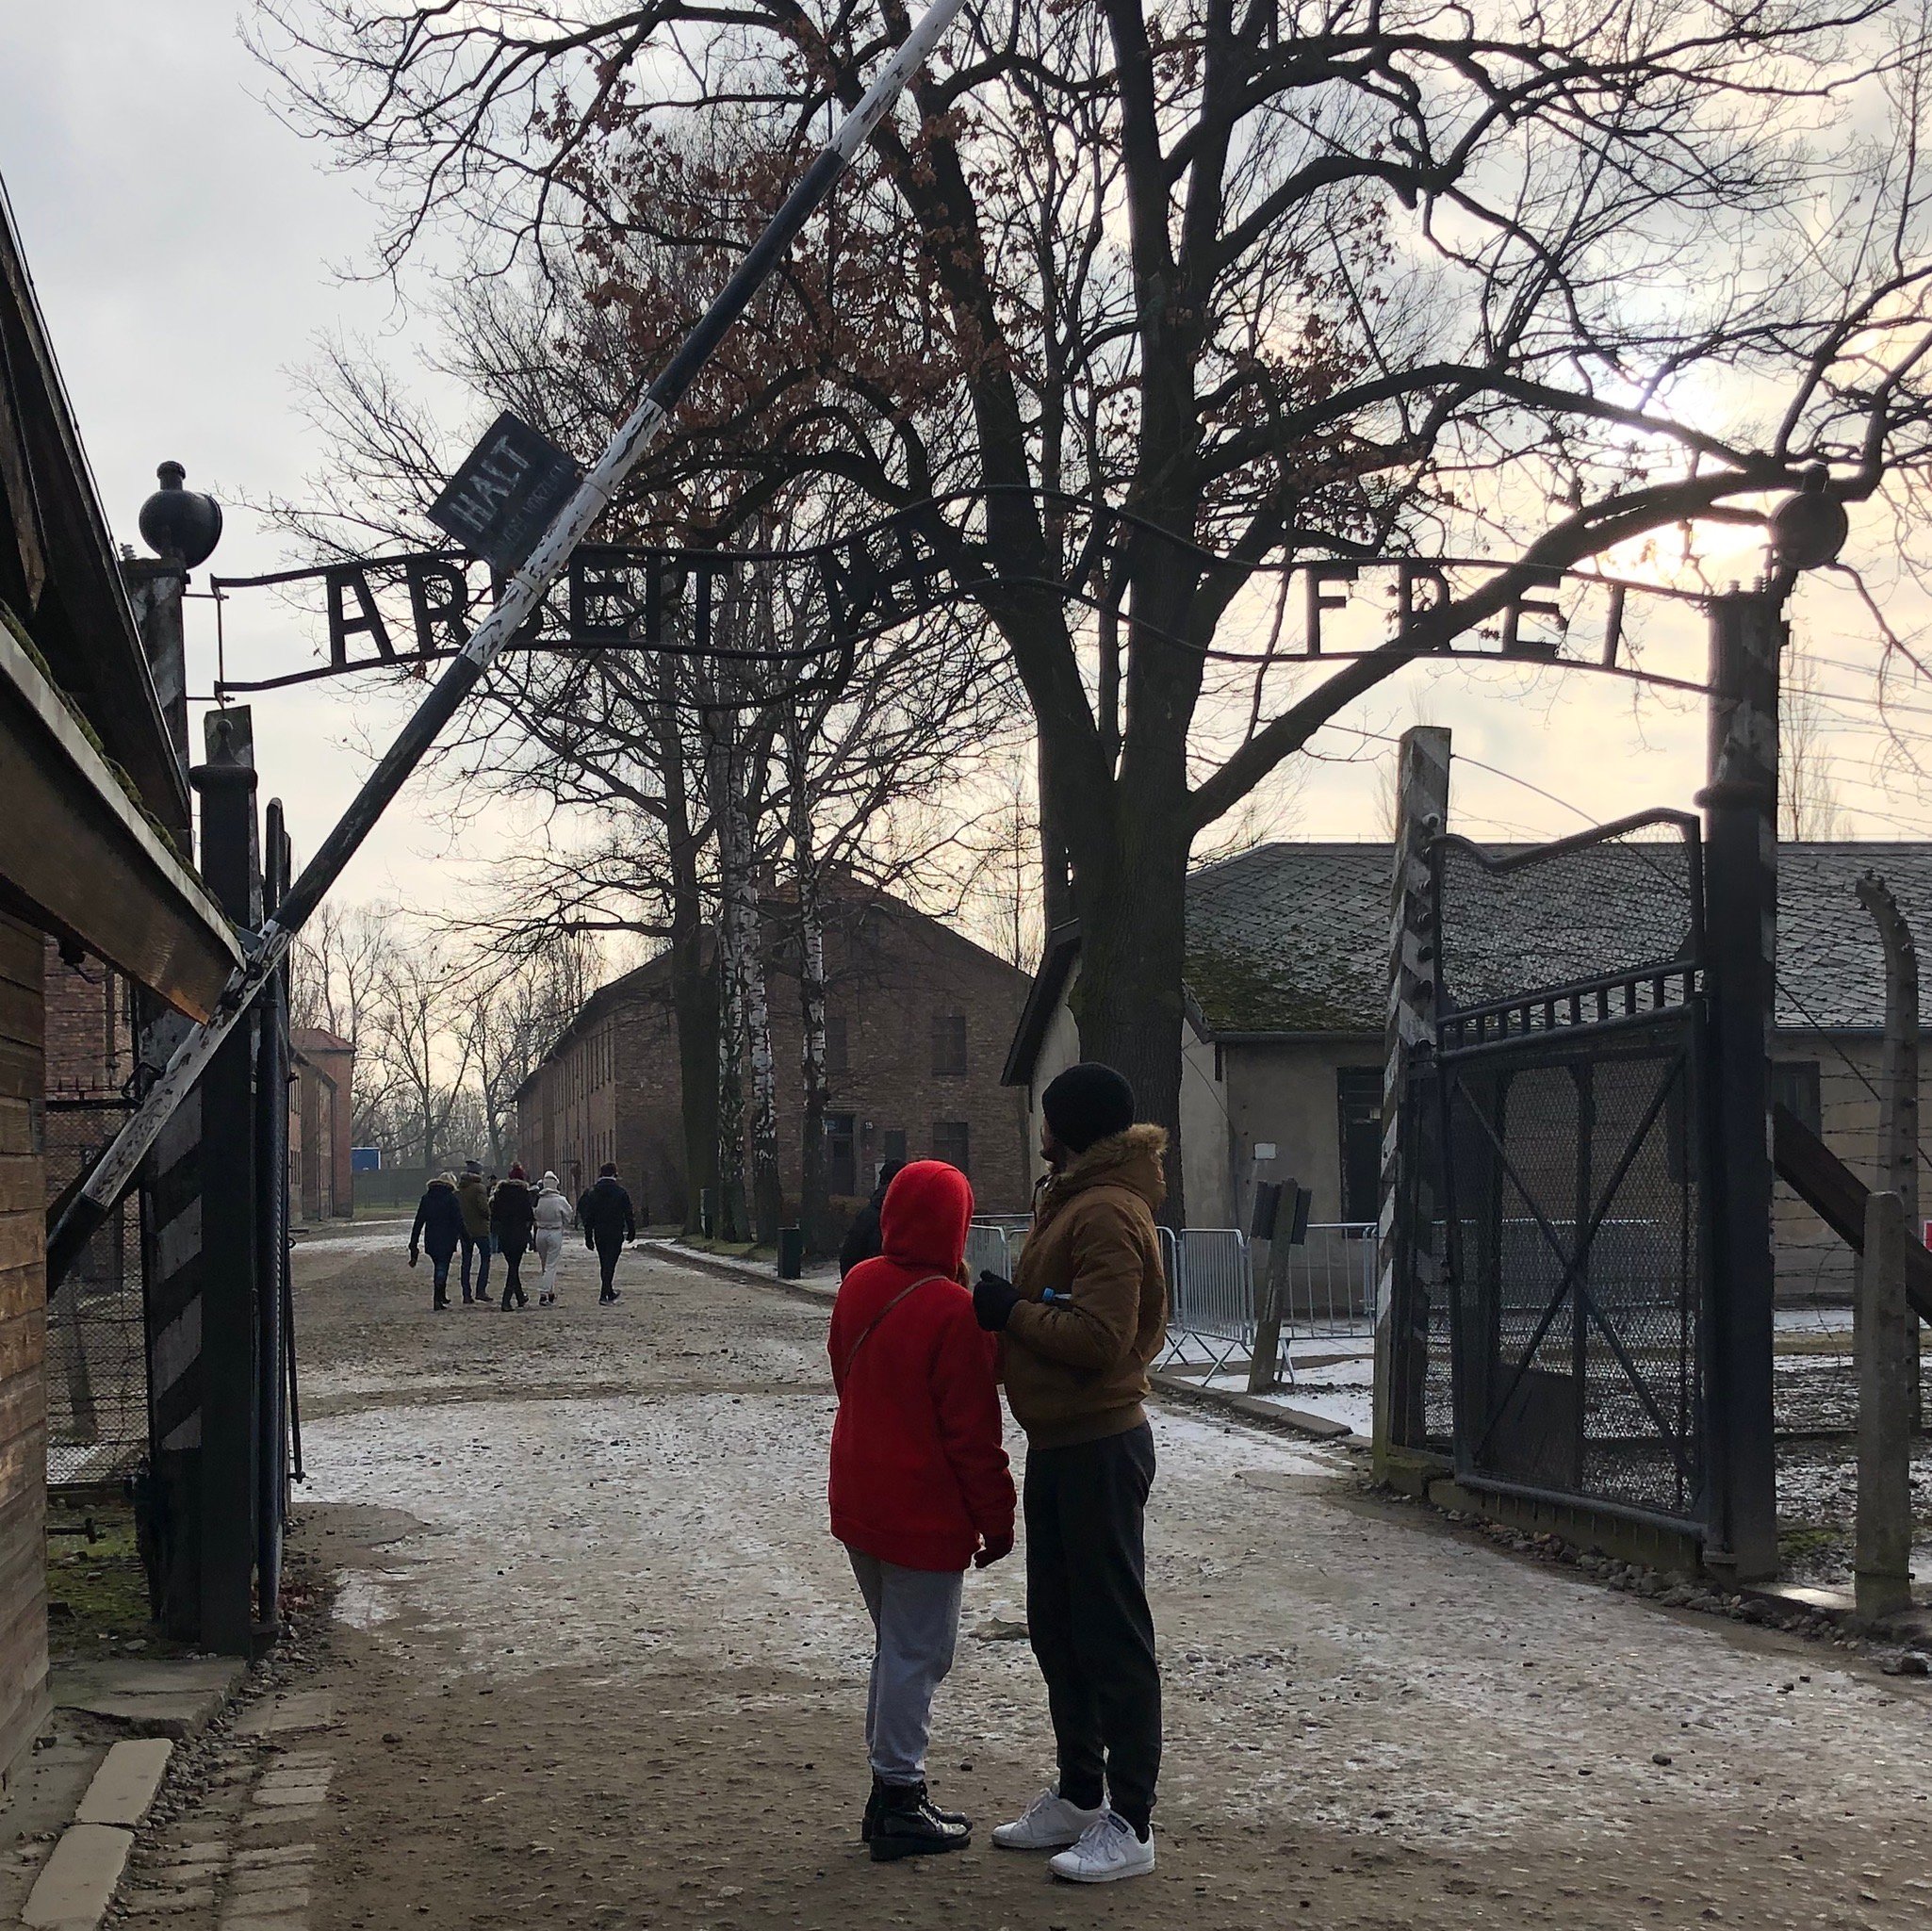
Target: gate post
(1898,1110)
(272,1242)
(1401,1312)
(228,1388)
(1747,631)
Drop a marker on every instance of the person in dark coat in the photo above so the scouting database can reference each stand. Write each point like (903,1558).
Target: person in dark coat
(473,1192)
(862,1239)
(608,1223)
(439,1228)
(512,1217)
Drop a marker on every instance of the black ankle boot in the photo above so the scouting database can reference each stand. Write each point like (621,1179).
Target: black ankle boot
(874,1803)
(904,1824)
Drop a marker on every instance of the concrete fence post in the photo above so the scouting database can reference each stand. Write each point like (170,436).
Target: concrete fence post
(1402,1323)
(1747,631)
(1883,1558)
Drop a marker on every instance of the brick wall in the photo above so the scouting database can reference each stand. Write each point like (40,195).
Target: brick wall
(90,1043)
(22,1346)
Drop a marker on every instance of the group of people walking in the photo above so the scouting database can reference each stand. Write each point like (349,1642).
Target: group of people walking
(482,1217)
(920,1485)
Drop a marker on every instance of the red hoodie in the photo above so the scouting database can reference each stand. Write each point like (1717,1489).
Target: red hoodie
(919,1473)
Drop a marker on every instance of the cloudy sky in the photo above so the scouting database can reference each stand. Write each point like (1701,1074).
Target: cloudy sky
(189,249)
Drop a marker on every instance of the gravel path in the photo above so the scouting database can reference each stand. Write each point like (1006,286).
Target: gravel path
(597,1662)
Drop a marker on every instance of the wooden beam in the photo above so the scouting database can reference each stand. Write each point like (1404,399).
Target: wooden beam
(78,856)
(1838,1197)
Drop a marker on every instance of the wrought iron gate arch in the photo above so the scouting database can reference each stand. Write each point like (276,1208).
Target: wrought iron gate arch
(1569,1076)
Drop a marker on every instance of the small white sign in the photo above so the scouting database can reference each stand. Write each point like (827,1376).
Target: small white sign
(1264,1150)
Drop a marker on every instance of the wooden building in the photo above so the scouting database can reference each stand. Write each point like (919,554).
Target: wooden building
(91,857)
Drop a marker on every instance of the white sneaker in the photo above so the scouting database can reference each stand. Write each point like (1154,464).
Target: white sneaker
(1108,1849)
(1047,1823)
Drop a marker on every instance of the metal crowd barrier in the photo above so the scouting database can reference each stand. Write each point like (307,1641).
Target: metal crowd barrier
(1210,1270)
(1332,1282)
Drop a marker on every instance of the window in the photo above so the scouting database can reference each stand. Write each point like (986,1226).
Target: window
(892,1143)
(951,1142)
(948,1045)
(836,1061)
(1358,1100)
(842,1160)
(1795,1083)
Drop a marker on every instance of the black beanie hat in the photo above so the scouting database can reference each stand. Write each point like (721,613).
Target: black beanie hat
(1086,1103)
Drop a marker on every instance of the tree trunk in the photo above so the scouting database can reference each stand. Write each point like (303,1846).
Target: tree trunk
(732,1222)
(767,1186)
(1130,894)
(814,1194)
(693,989)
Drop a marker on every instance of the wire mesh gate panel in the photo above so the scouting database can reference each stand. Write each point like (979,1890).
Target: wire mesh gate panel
(97,1375)
(1569,1081)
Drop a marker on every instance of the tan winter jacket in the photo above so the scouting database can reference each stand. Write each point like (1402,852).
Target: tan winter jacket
(1075,1366)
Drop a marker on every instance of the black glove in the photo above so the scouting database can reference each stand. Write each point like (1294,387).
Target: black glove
(993,1549)
(993,1299)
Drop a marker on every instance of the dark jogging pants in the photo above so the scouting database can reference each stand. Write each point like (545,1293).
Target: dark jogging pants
(1087,1616)
(609,1246)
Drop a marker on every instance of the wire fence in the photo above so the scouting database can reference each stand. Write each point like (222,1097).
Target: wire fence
(97,1373)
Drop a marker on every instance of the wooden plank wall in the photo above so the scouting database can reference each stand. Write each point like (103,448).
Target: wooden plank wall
(22,1350)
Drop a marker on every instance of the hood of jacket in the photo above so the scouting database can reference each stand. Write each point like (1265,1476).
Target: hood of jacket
(445,1181)
(923,1218)
(1134,1158)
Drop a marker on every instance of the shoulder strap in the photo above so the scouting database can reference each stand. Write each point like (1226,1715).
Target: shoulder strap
(865,1332)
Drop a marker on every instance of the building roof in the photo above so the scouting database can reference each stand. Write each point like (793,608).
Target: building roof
(318,1039)
(844,898)
(1291,940)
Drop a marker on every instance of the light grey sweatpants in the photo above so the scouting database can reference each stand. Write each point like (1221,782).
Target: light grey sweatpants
(915,1620)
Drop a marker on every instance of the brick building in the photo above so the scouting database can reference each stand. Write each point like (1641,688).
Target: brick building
(917,1022)
(322,1180)
(96,820)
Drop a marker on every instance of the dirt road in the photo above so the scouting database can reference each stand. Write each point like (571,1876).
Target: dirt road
(596,1662)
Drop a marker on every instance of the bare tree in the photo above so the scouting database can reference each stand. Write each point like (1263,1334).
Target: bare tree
(415,1038)
(335,970)
(1806,796)
(511,1017)
(1254,286)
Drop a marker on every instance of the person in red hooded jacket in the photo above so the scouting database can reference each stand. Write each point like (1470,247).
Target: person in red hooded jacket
(920,1486)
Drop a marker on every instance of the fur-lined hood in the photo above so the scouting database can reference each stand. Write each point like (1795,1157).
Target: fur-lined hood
(1134,1159)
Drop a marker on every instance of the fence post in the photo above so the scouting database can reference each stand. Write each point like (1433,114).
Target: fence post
(271,1240)
(228,1338)
(1898,1123)
(1748,630)
(1883,1558)
(1401,1315)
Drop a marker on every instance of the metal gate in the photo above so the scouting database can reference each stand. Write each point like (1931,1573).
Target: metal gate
(1569,1075)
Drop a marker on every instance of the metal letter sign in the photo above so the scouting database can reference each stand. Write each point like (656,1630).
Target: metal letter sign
(507,493)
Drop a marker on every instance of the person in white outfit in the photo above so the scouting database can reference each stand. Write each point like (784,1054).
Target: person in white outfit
(553,1217)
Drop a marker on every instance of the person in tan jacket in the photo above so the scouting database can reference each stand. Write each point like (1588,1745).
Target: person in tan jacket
(1080,1327)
